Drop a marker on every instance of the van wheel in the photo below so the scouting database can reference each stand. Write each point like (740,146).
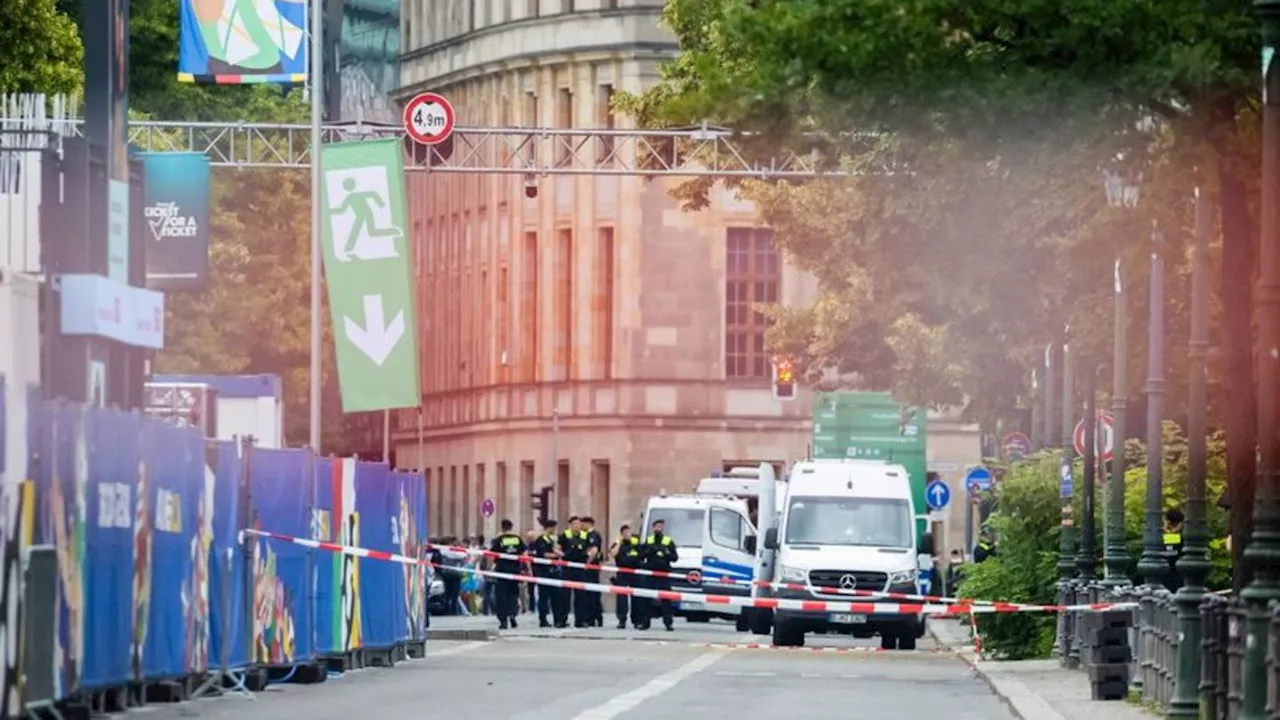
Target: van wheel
(888,640)
(907,640)
(762,622)
(787,634)
(744,622)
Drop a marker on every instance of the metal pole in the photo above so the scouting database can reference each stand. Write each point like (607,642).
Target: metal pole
(562,503)
(1194,563)
(1116,553)
(1085,560)
(1049,408)
(317,104)
(1066,546)
(1263,553)
(1153,564)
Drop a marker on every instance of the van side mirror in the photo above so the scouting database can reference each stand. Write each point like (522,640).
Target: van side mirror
(926,544)
(771,539)
(749,544)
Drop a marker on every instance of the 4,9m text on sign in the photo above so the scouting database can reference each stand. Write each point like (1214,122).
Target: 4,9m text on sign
(428,119)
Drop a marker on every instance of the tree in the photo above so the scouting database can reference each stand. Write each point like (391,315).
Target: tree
(1000,76)
(40,51)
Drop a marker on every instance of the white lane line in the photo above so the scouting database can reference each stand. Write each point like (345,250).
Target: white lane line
(456,649)
(735,673)
(629,700)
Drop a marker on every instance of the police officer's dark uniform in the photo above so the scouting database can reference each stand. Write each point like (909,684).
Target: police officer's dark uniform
(507,592)
(573,543)
(659,553)
(627,554)
(1173,520)
(983,550)
(550,599)
(595,607)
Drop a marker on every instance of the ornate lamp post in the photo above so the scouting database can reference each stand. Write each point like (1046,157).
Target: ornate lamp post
(1153,564)
(1263,553)
(1116,552)
(1194,563)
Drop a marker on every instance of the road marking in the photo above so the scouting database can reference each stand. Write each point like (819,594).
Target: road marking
(456,650)
(661,684)
(735,673)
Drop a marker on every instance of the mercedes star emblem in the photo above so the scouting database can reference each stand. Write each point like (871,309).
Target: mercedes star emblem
(848,582)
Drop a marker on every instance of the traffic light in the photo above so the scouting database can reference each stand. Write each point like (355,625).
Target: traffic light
(784,379)
(542,503)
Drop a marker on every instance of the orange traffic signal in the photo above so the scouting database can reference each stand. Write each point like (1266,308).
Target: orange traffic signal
(784,379)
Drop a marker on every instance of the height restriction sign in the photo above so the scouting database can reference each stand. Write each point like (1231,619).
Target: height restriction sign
(428,119)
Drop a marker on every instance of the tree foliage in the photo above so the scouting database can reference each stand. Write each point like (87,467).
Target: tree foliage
(40,50)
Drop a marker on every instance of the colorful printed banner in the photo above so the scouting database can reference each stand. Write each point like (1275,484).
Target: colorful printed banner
(233,42)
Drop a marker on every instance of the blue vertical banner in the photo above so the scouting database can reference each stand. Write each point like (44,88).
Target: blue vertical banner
(281,585)
(116,603)
(176,211)
(228,642)
(242,41)
(411,505)
(328,603)
(379,601)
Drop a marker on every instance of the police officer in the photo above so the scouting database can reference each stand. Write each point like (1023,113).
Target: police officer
(595,550)
(550,599)
(1173,520)
(986,546)
(659,553)
(506,591)
(626,553)
(573,543)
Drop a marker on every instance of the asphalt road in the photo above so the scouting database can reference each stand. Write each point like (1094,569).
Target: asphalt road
(602,675)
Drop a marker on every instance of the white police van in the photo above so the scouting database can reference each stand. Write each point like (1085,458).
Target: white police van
(839,524)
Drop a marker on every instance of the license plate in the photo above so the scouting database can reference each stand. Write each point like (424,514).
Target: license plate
(847,619)
(690,605)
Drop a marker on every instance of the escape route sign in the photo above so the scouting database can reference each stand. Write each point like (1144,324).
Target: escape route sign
(366,264)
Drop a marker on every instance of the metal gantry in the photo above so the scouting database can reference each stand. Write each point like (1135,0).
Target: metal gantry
(696,152)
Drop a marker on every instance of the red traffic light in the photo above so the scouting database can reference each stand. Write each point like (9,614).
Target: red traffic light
(784,379)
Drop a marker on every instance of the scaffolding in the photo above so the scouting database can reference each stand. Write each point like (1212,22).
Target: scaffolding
(695,152)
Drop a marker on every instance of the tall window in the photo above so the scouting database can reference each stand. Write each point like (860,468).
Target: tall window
(752,275)
(605,120)
(564,305)
(602,307)
(529,310)
(564,119)
(504,323)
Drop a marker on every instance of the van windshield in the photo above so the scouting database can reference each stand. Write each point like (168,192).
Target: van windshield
(871,522)
(684,525)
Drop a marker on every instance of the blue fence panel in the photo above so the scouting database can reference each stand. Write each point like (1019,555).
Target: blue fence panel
(413,516)
(281,630)
(378,600)
(117,549)
(228,639)
(173,481)
(327,566)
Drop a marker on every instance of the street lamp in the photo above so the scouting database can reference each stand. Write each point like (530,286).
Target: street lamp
(1116,554)
(1194,564)
(1263,552)
(1153,565)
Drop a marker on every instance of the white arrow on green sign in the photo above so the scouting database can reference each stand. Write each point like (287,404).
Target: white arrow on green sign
(366,264)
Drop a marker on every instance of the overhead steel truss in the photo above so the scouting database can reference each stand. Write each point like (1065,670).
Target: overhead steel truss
(695,152)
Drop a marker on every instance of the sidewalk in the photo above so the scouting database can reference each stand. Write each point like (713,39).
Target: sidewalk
(460,627)
(1035,689)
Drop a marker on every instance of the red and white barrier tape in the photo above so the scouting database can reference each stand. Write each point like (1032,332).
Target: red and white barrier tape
(959,608)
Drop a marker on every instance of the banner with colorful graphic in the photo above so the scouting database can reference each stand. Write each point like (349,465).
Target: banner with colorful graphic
(278,485)
(181,529)
(328,599)
(232,42)
(411,504)
(347,622)
(176,210)
(381,584)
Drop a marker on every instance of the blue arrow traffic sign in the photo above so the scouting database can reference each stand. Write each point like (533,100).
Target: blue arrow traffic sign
(978,479)
(937,494)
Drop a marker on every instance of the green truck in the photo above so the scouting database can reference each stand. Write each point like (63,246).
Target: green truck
(873,426)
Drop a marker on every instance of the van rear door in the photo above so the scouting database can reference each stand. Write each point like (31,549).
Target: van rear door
(725,554)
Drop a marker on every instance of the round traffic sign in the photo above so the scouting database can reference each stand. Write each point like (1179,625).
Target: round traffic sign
(488,507)
(1016,445)
(1104,437)
(428,119)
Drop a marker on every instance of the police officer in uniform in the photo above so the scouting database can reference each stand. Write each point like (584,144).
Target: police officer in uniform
(659,553)
(986,546)
(550,599)
(595,548)
(1173,520)
(573,543)
(507,592)
(626,553)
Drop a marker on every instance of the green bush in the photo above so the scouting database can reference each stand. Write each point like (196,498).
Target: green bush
(1027,516)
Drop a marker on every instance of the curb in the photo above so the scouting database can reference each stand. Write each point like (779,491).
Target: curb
(469,634)
(1024,704)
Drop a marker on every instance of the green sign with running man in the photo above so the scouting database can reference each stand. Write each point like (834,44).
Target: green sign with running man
(366,266)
